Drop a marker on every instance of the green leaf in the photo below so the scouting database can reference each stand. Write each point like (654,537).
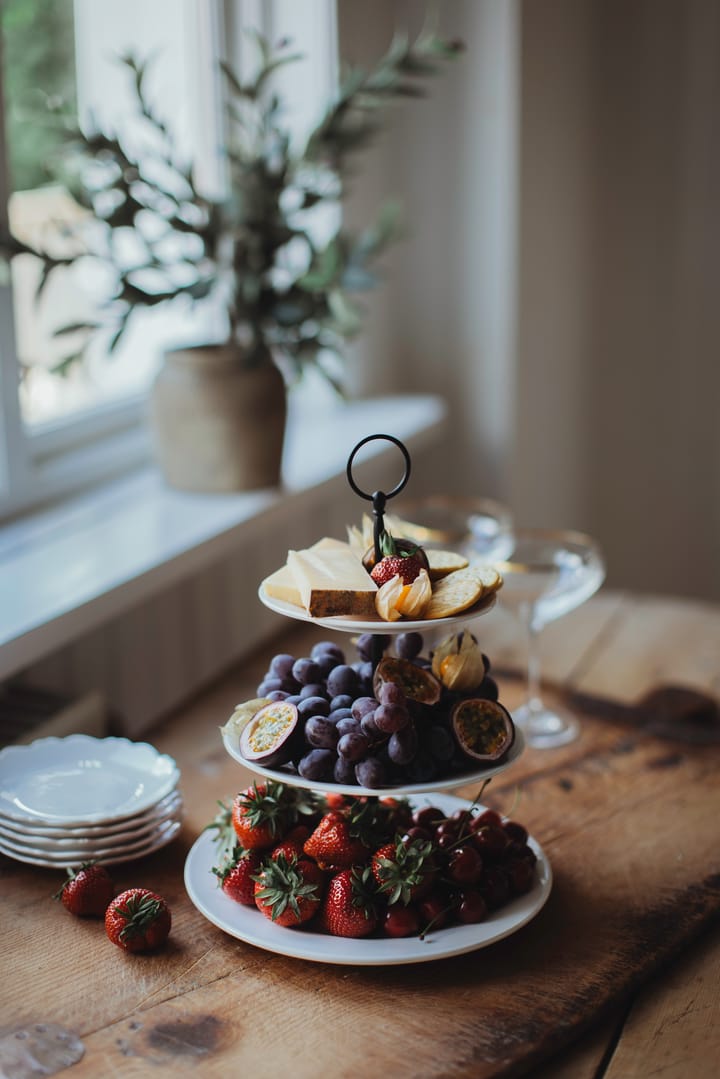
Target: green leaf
(347,316)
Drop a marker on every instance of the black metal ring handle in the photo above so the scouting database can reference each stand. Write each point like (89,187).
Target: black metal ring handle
(379,498)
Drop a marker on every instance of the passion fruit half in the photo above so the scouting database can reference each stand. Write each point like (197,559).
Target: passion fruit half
(271,736)
(484,729)
(416,683)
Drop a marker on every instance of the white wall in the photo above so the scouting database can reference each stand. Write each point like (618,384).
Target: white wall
(559,283)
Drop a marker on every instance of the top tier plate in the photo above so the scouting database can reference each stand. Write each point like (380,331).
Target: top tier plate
(348,624)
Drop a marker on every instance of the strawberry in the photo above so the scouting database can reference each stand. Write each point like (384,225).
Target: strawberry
(138,920)
(288,891)
(260,815)
(349,907)
(87,892)
(405,871)
(236,875)
(335,844)
(399,556)
(292,844)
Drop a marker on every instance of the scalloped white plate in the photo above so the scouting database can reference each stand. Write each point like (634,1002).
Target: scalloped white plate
(82,780)
(166,808)
(347,624)
(252,927)
(137,830)
(284,775)
(106,855)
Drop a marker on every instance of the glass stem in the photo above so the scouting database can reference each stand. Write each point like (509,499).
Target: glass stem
(533,664)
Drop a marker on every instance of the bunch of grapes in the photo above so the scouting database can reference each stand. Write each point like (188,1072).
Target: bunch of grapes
(352,736)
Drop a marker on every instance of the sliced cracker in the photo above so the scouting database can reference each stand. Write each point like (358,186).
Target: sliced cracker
(454,594)
(491,579)
(442,563)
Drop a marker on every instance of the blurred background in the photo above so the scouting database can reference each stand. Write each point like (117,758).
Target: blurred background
(557,281)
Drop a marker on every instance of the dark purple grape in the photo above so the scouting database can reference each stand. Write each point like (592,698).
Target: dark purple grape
(340,713)
(344,771)
(422,768)
(321,733)
(371,773)
(268,685)
(362,706)
(327,648)
(403,745)
(391,717)
(353,746)
(369,727)
(342,679)
(326,662)
(343,700)
(317,764)
(347,725)
(305,671)
(368,643)
(363,669)
(488,689)
(313,689)
(281,665)
(441,743)
(313,706)
(408,645)
(277,695)
(290,685)
(391,694)
(294,698)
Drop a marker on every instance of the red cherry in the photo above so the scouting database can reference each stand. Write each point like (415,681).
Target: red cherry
(520,874)
(435,911)
(490,841)
(494,887)
(428,816)
(472,908)
(488,816)
(515,832)
(465,865)
(401,921)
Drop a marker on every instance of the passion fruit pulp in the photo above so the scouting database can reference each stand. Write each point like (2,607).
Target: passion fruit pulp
(271,735)
(484,729)
(416,683)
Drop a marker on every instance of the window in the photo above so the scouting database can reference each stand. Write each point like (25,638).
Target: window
(64,425)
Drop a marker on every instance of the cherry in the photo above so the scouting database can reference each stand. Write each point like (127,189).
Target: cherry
(472,907)
(401,921)
(487,817)
(520,875)
(428,816)
(490,841)
(465,865)
(514,831)
(494,887)
(416,833)
(434,911)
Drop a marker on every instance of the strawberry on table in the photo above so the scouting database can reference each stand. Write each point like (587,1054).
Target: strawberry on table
(236,875)
(349,908)
(289,892)
(87,892)
(138,920)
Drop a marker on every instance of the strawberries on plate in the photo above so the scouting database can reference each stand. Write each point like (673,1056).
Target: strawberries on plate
(289,892)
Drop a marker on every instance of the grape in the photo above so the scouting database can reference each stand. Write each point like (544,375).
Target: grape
(422,768)
(403,745)
(347,725)
(294,698)
(362,706)
(344,771)
(268,685)
(327,662)
(371,773)
(305,671)
(488,689)
(313,706)
(371,645)
(313,689)
(342,679)
(281,665)
(390,693)
(353,746)
(340,713)
(277,695)
(327,648)
(321,733)
(391,717)
(290,685)
(364,670)
(441,743)
(317,764)
(343,700)
(369,726)
(408,645)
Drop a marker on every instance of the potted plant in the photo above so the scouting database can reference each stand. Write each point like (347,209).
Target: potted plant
(287,302)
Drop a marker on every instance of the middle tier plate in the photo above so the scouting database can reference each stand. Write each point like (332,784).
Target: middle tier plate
(285,775)
(347,624)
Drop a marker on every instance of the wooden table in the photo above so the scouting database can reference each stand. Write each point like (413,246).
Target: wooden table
(616,976)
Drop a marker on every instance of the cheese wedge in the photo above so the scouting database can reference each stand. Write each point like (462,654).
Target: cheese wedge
(332,581)
(282,585)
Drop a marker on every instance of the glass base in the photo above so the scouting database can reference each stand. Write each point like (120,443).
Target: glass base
(543,727)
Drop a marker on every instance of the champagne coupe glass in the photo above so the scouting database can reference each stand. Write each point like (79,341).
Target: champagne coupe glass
(548,574)
(478,528)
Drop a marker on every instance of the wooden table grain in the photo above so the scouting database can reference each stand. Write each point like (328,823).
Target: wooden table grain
(616,977)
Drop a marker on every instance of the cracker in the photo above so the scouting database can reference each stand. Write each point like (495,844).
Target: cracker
(491,579)
(442,563)
(454,594)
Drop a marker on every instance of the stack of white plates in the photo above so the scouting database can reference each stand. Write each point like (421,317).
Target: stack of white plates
(64,801)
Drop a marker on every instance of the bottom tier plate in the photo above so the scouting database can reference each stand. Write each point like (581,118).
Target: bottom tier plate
(252,927)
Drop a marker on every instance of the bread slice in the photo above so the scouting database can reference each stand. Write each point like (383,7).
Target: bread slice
(332,581)
(282,585)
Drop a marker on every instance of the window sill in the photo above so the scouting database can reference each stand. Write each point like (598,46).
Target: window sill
(67,571)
